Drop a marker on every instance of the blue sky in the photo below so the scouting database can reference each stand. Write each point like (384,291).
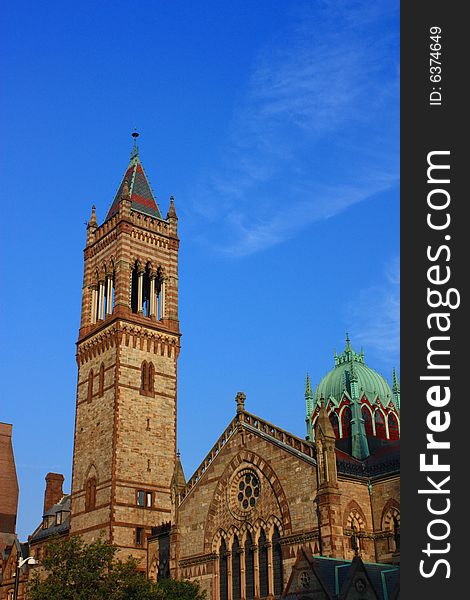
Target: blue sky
(276,127)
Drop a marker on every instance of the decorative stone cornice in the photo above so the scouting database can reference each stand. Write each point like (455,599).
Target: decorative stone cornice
(198,560)
(114,333)
(299,538)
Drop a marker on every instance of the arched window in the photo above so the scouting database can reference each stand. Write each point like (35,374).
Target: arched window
(249,568)
(135,288)
(263,565)
(367,420)
(346,422)
(90,386)
(223,572)
(90,494)
(236,581)
(277,563)
(101,384)
(159,290)
(144,380)
(393,431)
(147,379)
(380,431)
(334,423)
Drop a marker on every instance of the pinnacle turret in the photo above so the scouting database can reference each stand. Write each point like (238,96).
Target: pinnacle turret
(171,214)
(93,222)
(308,407)
(396,389)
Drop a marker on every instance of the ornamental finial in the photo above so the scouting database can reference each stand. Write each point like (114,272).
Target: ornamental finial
(240,400)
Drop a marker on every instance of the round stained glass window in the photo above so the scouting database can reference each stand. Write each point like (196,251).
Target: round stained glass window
(246,490)
(249,491)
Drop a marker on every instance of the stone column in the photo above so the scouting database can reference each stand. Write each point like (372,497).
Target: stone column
(242,574)
(101,301)
(269,549)
(152,295)
(109,294)
(94,301)
(140,286)
(229,576)
(162,300)
(256,569)
(215,580)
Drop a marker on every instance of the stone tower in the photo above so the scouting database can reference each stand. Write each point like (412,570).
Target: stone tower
(127,354)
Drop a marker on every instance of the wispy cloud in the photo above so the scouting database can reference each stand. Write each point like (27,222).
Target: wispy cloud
(318,108)
(375,315)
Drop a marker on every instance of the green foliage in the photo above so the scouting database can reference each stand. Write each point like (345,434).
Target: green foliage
(73,570)
(181,590)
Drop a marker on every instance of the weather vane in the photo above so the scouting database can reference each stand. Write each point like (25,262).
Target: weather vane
(135,150)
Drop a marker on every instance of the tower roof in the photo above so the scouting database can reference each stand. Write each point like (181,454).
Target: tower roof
(350,367)
(140,192)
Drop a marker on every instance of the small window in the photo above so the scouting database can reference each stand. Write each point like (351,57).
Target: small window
(58,518)
(90,386)
(139,536)
(140,498)
(90,494)
(151,378)
(101,381)
(149,500)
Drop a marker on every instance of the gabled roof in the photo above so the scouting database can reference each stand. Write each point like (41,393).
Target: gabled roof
(337,576)
(289,442)
(140,192)
(42,533)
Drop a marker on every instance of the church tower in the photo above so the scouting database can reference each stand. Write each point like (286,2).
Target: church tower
(127,354)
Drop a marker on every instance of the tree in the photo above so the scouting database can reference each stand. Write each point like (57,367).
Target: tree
(173,589)
(73,570)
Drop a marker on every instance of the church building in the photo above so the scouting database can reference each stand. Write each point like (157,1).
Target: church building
(267,513)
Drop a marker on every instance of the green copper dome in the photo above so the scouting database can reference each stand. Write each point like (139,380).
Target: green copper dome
(350,368)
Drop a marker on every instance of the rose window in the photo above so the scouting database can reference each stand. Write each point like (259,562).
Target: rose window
(248,491)
(244,492)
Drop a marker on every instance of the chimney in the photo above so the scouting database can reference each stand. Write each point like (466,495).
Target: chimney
(8,482)
(53,493)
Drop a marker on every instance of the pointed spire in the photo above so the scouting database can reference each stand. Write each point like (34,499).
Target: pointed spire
(138,188)
(336,358)
(352,373)
(178,481)
(125,190)
(308,388)
(171,210)
(308,407)
(93,222)
(396,389)
(348,342)
(396,383)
